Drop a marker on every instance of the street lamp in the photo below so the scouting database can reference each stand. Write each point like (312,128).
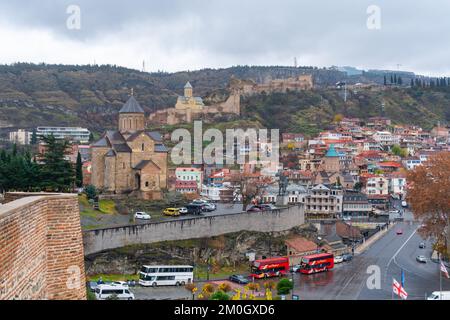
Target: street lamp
(318,243)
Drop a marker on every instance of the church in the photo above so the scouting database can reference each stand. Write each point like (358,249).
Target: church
(188,101)
(130,160)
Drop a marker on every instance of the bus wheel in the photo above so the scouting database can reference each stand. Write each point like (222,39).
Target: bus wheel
(177,284)
(183,283)
(154,284)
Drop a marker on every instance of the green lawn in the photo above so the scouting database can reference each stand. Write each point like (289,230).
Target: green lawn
(86,210)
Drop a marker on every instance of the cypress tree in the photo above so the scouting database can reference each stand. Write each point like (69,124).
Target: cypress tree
(33,138)
(57,173)
(79,171)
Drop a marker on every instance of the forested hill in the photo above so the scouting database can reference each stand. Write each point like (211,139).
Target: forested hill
(32,95)
(309,112)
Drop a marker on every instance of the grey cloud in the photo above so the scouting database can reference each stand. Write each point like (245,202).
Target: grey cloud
(242,31)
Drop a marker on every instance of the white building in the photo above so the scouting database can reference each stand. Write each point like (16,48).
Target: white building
(20,136)
(80,135)
(377,185)
(386,138)
(324,201)
(190,174)
(397,184)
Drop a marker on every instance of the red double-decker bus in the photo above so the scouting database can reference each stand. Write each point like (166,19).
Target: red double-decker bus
(272,267)
(317,263)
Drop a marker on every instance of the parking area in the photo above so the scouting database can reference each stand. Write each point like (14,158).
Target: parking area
(111,220)
(161,293)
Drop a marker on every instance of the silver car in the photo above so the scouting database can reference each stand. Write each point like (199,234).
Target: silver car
(421,259)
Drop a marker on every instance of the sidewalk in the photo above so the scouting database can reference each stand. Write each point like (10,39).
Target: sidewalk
(373,239)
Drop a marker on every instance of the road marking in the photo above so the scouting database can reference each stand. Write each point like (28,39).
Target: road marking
(403,245)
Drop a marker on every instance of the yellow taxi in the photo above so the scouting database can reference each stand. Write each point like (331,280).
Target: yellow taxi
(172,212)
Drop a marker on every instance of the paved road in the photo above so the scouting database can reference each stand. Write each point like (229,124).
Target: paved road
(392,253)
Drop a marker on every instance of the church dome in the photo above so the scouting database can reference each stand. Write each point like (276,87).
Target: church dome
(131,106)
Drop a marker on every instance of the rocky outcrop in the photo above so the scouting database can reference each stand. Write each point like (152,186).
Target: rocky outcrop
(225,250)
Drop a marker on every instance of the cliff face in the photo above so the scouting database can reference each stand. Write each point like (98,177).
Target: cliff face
(224,251)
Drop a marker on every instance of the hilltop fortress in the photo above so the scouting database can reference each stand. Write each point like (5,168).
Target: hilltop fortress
(189,108)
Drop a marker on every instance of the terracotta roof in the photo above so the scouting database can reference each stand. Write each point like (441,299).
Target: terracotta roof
(300,244)
(391,164)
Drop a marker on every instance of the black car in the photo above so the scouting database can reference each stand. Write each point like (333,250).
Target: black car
(194,208)
(240,279)
(347,257)
(267,207)
(254,209)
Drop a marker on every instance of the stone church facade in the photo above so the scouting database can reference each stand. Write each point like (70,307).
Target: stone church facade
(131,159)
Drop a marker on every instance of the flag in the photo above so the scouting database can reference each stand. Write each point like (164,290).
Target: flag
(399,290)
(444,269)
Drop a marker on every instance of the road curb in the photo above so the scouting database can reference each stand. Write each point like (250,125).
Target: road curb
(373,239)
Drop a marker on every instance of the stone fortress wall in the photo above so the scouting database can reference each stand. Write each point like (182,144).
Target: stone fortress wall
(41,248)
(208,226)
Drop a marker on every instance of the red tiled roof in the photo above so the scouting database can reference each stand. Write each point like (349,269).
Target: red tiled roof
(390,164)
(300,244)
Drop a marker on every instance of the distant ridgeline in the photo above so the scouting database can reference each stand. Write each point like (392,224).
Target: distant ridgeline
(91,96)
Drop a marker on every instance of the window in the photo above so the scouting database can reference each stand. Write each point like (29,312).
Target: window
(143,147)
(146,184)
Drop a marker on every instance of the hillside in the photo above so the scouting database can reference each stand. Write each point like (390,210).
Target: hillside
(309,112)
(35,95)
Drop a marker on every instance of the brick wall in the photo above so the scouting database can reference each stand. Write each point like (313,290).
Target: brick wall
(266,221)
(41,249)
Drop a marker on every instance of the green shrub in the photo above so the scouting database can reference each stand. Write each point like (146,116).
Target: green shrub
(220,295)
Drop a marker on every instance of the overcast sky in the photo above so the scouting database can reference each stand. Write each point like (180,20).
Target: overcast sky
(175,35)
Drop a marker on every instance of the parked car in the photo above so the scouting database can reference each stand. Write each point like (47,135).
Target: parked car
(194,209)
(105,291)
(183,210)
(267,207)
(421,259)
(295,268)
(199,201)
(347,257)
(209,207)
(399,231)
(422,245)
(92,285)
(254,209)
(240,279)
(120,283)
(338,259)
(395,211)
(142,216)
(172,212)
(404,204)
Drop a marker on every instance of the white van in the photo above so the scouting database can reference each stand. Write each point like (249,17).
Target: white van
(107,291)
(439,295)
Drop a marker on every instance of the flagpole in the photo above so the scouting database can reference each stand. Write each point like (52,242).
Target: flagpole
(440,277)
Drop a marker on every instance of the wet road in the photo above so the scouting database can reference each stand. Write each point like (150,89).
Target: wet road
(392,253)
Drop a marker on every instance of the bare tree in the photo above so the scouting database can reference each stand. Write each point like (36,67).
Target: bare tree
(428,194)
(249,186)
